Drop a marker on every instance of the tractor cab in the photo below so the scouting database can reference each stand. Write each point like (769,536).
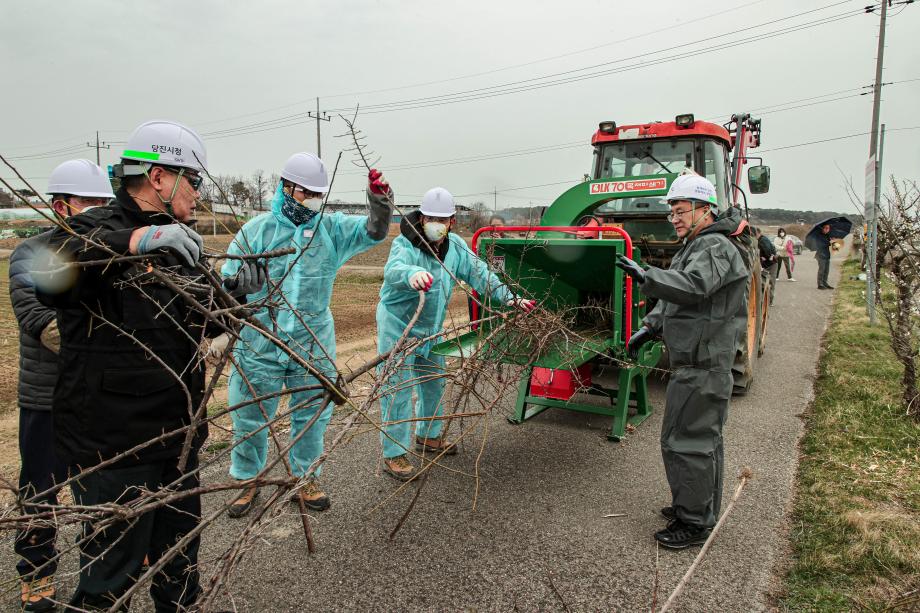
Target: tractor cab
(652,155)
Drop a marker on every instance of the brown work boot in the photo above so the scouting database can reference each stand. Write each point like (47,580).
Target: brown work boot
(313,498)
(435,445)
(399,467)
(38,595)
(244,502)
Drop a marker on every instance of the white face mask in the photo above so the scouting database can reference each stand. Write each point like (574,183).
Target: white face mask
(314,204)
(434,230)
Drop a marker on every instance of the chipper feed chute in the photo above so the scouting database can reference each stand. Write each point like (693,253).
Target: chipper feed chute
(593,307)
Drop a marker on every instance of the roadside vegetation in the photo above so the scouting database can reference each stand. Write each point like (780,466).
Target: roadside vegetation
(855,529)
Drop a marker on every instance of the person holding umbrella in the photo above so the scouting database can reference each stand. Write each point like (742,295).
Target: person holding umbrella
(822,242)
(819,240)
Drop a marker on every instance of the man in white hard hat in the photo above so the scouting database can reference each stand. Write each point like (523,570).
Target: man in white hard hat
(74,186)
(298,296)
(425,257)
(130,374)
(701,313)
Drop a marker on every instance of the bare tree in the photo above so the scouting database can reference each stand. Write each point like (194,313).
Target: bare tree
(899,299)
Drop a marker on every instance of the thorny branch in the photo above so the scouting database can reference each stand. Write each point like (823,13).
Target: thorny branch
(474,391)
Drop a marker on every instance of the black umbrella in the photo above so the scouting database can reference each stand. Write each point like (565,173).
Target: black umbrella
(840,228)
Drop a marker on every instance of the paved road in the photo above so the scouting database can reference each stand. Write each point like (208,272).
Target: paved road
(538,539)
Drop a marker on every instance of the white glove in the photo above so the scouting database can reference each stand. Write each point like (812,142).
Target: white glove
(218,348)
(421,281)
(524,304)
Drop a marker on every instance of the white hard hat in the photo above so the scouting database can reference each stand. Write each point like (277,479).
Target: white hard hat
(438,202)
(79,178)
(692,186)
(307,170)
(168,143)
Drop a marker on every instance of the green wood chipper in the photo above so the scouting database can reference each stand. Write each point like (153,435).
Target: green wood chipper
(567,264)
(573,276)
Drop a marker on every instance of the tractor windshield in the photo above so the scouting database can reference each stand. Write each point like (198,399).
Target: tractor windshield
(659,157)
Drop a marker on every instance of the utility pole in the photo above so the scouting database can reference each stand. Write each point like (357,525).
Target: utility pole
(319,117)
(97,147)
(872,214)
(494,200)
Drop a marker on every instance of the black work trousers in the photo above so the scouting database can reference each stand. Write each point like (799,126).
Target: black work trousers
(824,268)
(41,470)
(111,558)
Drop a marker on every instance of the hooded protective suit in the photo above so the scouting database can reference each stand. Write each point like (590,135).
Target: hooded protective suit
(701,314)
(410,254)
(323,244)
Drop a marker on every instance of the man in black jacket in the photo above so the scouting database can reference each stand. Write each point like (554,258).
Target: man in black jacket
(823,255)
(75,186)
(131,378)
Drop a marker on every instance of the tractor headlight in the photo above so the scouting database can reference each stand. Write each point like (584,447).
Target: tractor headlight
(684,121)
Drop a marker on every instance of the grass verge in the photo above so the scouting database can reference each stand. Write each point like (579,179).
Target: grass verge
(856,520)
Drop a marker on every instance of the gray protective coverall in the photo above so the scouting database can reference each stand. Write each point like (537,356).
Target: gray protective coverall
(700,314)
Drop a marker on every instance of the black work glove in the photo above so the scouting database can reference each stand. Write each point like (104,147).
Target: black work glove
(631,268)
(248,280)
(635,342)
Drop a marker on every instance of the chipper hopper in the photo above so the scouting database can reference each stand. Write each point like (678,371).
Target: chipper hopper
(593,307)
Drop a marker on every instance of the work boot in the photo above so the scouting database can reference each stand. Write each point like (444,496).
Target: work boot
(435,445)
(679,535)
(668,513)
(38,595)
(399,467)
(313,498)
(244,502)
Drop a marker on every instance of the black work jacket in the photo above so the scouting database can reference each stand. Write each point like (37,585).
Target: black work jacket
(37,364)
(129,364)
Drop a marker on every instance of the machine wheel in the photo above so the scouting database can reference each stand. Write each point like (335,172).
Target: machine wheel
(743,369)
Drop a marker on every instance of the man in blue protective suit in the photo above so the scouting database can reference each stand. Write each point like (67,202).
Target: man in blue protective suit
(425,257)
(297,309)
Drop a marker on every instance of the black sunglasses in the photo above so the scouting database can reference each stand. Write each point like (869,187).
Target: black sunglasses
(194,179)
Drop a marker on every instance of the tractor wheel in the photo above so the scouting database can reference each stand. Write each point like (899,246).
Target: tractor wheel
(747,350)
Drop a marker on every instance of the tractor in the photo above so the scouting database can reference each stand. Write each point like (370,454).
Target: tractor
(567,263)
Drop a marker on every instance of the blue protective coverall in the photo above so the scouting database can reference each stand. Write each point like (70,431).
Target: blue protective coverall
(398,303)
(323,245)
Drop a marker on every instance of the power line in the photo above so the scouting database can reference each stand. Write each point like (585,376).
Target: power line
(492,71)
(532,83)
(541,82)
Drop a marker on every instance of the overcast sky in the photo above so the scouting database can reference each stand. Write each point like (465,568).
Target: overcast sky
(244,73)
